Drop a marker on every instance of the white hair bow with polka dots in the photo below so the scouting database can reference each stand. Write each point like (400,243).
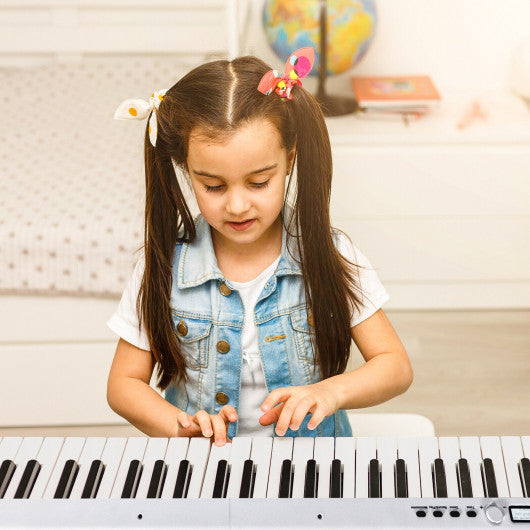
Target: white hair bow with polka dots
(139,109)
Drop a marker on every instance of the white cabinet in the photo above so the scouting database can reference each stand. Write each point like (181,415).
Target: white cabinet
(443,215)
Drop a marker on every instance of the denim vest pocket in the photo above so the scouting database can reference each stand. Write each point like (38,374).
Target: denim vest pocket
(303,333)
(195,340)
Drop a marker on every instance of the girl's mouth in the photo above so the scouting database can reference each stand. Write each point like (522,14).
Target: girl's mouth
(242,225)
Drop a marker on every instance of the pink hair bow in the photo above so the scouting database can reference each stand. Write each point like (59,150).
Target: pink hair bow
(297,66)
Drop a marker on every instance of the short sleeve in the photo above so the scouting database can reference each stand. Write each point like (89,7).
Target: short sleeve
(373,295)
(124,322)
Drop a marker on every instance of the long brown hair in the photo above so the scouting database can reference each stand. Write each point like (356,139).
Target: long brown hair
(217,98)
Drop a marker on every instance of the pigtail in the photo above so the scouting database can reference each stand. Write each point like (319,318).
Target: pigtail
(167,221)
(328,277)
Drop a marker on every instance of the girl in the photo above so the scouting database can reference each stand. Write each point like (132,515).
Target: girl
(247,311)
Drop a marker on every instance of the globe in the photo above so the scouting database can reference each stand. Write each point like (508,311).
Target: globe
(293,24)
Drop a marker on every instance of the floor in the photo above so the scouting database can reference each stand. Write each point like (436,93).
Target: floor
(471,375)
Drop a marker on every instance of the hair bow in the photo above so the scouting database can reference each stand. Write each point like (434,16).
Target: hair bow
(139,109)
(297,66)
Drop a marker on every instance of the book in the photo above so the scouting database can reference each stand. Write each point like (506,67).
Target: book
(397,93)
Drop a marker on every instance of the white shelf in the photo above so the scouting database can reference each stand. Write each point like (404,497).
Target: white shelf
(508,124)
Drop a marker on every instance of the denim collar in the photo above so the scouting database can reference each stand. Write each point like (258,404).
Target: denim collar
(198,264)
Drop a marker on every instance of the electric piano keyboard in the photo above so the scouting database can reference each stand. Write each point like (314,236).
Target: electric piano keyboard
(429,482)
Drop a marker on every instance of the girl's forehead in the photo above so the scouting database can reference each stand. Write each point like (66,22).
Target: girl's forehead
(255,139)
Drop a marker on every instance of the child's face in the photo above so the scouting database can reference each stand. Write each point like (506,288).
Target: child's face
(246,182)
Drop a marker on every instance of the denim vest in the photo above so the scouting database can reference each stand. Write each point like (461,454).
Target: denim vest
(208,316)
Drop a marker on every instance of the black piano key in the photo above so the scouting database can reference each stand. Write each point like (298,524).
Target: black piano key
(221,480)
(95,474)
(524,473)
(132,480)
(374,479)
(6,474)
(335,487)
(401,488)
(286,476)
(464,478)
(488,478)
(66,482)
(439,480)
(183,480)
(311,480)
(247,479)
(157,480)
(31,472)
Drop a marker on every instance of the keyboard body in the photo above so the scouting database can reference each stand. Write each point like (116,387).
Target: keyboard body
(427,482)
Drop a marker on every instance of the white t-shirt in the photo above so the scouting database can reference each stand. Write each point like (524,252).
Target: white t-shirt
(124,322)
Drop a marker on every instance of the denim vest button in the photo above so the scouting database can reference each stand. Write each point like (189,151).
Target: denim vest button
(181,328)
(221,398)
(223,346)
(225,290)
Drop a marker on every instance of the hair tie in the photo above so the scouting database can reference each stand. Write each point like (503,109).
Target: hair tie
(139,109)
(297,66)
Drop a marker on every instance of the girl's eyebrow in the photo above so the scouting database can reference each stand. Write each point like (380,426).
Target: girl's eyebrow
(255,172)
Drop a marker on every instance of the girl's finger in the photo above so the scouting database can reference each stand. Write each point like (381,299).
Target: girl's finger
(184,419)
(228,413)
(316,418)
(277,395)
(219,429)
(301,411)
(288,409)
(205,424)
(272,416)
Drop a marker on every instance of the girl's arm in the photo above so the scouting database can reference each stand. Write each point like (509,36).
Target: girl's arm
(130,396)
(386,374)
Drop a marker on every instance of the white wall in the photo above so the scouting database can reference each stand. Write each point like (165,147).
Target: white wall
(467,43)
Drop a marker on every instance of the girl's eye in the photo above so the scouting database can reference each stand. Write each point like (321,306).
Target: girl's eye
(219,188)
(213,188)
(260,184)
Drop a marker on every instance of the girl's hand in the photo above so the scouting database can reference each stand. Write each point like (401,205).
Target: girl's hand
(295,402)
(204,424)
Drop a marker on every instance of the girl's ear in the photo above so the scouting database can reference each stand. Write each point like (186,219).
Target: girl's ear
(290,159)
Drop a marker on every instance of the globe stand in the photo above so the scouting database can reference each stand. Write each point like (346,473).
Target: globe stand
(330,105)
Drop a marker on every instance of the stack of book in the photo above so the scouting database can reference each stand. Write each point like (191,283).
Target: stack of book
(396,96)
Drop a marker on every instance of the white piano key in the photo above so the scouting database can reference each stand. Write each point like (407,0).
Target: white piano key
(9,447)
(345,452)
(47,457)
(71,450)
(324,454)
(176,452)
(156,450)
(216,453)
(111,458)
(491,448)
(134,450)
(366,450)
(450,453)
(512,451)
(428,451)
(282,448)
(470,450)
(198,452)
(241,447)
(387,456)
(261,456)
(91,451)
(28,450)
(408,451)
(525,442)
(303,450)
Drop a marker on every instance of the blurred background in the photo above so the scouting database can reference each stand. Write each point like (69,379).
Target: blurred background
(435,193)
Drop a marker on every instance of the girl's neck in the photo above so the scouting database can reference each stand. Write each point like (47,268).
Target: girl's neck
(243,262)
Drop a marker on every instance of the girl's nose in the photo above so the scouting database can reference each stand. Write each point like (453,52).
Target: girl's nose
(237,203)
